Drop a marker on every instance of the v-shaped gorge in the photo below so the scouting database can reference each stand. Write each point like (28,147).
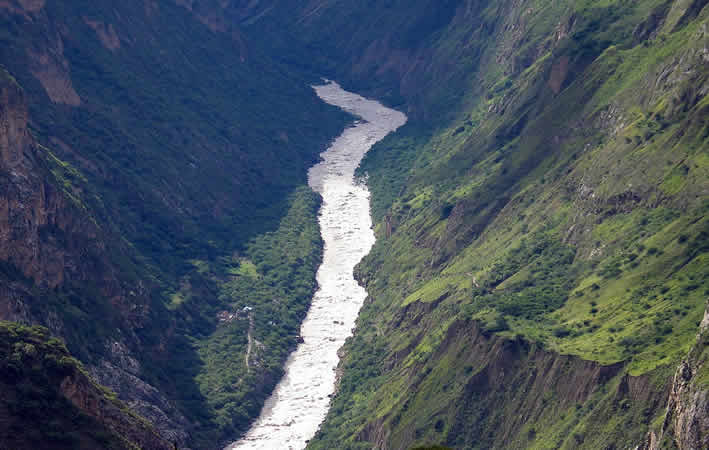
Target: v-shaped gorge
(298,405)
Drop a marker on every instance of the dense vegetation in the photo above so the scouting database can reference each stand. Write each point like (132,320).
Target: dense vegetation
(264,293)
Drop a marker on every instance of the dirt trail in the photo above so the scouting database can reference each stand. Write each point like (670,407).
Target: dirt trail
(251,342)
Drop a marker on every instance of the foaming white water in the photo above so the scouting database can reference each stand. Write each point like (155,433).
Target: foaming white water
(292,415)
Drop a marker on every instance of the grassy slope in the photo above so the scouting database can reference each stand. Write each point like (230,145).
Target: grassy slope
(577,220)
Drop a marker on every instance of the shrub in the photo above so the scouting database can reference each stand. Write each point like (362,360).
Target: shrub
(561,332)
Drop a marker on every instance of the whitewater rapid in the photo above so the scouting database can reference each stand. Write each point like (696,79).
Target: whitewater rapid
(297,407)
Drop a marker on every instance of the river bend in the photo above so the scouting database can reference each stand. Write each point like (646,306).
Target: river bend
(293,413)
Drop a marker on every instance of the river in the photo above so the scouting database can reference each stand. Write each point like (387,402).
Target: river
(298,405)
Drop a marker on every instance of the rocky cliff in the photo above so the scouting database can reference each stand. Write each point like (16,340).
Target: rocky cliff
(686,422)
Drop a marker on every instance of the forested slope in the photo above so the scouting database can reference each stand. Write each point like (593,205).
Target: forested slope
(153,178)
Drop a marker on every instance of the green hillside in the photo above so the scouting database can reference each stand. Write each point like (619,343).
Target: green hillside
(549,198)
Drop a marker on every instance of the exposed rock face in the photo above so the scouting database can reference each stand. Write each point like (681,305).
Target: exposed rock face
(23,7)
(14,137)
(558,74)
(688,411)
(46,61)
(13,307)
(83,394)
(50,67)
(32,5)
(106,33)
(122,374)
(27,205)
(686,423)
(220,16)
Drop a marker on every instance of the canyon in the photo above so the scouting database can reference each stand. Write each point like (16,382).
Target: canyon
(539,276)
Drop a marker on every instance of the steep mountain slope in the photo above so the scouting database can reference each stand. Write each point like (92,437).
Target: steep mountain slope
(541,268)
(153,170)
(49,401)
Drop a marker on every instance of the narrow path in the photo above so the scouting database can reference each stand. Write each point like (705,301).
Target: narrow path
(251,342)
